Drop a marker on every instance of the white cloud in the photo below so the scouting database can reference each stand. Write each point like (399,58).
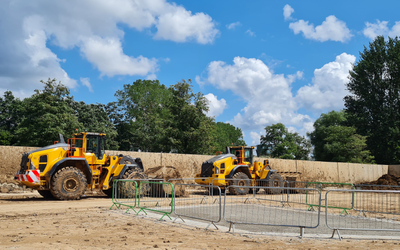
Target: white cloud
(287,12)
(216,106)
(107,56)
(250,33)
(380,28)
(255,137)
(268,96)
(328,86)
(86,82)
(94,28)
(330,29)
(232,26)
(180,25)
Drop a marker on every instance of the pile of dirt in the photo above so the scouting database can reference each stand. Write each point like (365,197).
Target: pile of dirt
(162,172)
(167,173)
(384,181)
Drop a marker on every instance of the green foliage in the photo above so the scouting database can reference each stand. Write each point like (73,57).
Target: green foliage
(146,121)
(346,146)
(191,130)
(226,135)
(373,105)
(320,133)
(278,142)
(333,141)
(163,119)
(10,117)
(5,138)
(94,118)
(46,114)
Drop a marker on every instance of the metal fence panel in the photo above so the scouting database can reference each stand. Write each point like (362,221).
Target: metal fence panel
(202,202)
(376,210)
(156,196)
(124,194)
(323,187)
(270,209)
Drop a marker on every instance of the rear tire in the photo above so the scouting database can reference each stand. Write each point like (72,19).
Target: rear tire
(275,180)
(68,183)
(240,179)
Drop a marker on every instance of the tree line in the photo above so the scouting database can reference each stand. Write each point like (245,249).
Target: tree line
(147,116)
(367,130)
(152,117)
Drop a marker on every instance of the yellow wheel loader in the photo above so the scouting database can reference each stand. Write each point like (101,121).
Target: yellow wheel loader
(66,169)
(235,171)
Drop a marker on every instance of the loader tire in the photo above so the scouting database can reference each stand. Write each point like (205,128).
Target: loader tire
(240,179)
(68,183)
(275,180)
(46,194)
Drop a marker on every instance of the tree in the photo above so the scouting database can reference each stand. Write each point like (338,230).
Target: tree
(345,145)
(191,129)
(146,119)
(94,118)
(278,142)
(10,117)
(226,135)
(46,114)
(320,133)
(334,141)
(374,101)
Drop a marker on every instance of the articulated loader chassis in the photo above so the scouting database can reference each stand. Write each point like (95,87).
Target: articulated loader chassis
(65,170)
(236,171)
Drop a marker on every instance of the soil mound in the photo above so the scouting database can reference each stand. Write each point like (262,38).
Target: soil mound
(167,173)
(384,181)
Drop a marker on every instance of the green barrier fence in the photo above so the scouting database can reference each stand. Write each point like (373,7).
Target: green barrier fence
(323,186)
(156,197)
(124,193)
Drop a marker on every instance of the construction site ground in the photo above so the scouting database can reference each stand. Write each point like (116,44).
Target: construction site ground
(30,222)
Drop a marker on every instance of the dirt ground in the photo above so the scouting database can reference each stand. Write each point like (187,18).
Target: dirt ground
(30,222)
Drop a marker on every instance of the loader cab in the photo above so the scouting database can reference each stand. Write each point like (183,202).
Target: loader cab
(243,154)
(86,142)
(95,143)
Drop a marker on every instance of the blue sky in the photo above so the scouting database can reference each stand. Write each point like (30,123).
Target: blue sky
(257,62)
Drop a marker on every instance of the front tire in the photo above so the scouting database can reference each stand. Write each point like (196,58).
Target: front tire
(275,180)
(240,179)
(46,194)
(68,183)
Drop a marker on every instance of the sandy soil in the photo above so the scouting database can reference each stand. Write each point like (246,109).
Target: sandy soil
(30,222)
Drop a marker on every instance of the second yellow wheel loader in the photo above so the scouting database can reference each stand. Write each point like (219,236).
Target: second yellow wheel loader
(236,171)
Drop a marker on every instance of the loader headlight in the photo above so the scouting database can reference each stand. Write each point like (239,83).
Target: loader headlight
(216,170)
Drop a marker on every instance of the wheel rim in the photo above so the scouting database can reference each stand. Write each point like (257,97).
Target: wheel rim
(242,183)
(276,183)
(70,185)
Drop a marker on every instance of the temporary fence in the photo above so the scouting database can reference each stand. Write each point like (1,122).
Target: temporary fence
(283,204)
(201,202)
(378,211)
(156,196)
(323,187)
(266,209)
(124,194)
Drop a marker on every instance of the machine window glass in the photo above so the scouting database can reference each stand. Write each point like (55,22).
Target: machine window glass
(92,144)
